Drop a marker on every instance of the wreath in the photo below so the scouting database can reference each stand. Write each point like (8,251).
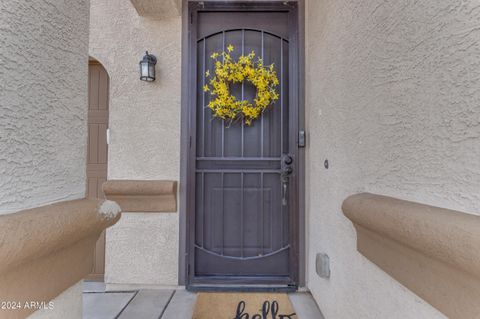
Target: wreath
(228,71)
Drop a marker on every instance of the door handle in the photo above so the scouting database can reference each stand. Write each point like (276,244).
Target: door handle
(287,170)
(284,192)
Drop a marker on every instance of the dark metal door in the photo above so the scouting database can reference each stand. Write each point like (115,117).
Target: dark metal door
(243,210)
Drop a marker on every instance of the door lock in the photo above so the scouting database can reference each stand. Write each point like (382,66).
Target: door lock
(287,159)
(287,170)
(286,166)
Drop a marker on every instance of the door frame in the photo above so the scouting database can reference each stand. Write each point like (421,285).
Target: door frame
(188,128)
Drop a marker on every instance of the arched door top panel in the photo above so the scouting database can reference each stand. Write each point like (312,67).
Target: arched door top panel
(245,30)
(254,20)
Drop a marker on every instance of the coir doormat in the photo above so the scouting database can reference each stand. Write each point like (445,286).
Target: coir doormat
(243,306)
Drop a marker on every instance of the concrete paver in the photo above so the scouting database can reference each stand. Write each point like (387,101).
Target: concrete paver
(105,305)
(166,304)
(181,306)
(147,304)
(305,306)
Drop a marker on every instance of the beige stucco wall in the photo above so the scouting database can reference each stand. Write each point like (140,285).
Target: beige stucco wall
(393,103)
(43,102)
(144,134)
(142,249)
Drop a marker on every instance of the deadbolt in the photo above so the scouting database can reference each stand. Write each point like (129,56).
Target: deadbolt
(288,160)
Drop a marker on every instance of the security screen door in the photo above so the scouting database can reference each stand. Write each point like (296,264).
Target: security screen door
(243,203)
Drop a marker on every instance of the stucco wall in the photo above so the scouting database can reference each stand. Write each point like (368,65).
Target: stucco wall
(142,250)
(43,102)
(144,134)
(393,103)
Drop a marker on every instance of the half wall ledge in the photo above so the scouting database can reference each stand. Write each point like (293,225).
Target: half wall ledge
(158,9)
(142,195)
(45,250)
(432,251)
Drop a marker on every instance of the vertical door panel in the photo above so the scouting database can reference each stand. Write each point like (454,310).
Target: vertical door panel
(253,134)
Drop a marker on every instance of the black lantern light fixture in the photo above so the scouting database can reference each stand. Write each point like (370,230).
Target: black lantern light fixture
(147,67)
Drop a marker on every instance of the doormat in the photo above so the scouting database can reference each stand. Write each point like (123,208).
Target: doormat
(219,305)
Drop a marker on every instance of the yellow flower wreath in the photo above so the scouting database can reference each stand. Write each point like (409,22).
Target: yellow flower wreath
(226,106)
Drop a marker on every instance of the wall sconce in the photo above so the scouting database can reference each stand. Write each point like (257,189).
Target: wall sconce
(147,67)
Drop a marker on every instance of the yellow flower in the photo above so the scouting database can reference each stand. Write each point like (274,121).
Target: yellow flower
(227,71)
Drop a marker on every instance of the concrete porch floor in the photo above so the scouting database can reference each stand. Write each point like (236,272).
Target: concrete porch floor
(163,303)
